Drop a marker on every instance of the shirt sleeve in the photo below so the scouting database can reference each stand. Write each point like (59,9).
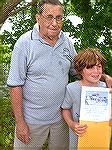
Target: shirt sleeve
(73,54)
(18,66)
(67,103)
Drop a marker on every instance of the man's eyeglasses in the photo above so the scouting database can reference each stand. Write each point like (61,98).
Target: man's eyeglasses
(50,18)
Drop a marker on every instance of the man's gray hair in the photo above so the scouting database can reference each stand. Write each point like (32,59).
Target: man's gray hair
(43,2)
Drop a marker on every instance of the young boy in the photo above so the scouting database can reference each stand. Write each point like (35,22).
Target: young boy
(89,64)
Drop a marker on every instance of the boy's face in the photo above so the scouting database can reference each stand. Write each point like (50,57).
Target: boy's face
(91,76)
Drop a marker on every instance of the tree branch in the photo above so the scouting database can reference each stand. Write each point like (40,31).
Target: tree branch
(8,9)
(23,8)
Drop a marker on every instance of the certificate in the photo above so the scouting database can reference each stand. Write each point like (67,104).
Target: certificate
(95,104)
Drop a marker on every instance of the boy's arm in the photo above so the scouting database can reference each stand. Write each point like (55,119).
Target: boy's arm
(74,125)
(68,117)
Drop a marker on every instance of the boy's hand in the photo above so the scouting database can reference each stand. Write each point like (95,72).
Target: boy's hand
(79,129)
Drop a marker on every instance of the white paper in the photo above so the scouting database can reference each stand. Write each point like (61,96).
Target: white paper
(95,104)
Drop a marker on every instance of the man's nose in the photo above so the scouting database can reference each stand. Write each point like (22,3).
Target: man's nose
(54,22)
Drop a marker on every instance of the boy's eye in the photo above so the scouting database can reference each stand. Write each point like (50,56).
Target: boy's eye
(89,67)
(99,66)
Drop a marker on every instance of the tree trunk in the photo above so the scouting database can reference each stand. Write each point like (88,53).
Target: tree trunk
(9,9)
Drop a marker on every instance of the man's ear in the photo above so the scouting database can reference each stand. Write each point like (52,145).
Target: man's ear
(37,16)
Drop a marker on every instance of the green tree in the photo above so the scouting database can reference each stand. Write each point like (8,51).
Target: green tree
(97,22)
(6,117)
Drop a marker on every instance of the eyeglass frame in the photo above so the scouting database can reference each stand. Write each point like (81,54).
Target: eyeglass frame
(50,18)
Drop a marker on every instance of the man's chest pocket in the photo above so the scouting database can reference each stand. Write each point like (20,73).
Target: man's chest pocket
(65,64)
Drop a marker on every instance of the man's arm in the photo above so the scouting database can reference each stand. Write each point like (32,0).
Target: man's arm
(22,130)
(107,79)
(17,102)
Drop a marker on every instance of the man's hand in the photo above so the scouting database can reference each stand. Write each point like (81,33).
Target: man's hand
(110,122)
(22,132)
(111,91)
(108,80)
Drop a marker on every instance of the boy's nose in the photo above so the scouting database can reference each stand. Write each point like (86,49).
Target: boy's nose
(96,68)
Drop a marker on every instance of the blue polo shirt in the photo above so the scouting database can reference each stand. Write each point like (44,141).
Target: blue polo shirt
(42,71)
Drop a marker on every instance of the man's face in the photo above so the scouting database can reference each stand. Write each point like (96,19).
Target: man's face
(50,21)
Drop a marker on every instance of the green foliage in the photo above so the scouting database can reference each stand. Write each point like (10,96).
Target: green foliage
(22,22)
(6,123)
(97,22)
(6,118)
(5,61)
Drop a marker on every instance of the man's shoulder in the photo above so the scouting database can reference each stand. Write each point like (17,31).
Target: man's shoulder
(26,35)
(65,36)
(25,38)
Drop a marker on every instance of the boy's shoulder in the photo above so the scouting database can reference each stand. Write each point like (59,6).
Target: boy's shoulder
(102,84)
(74,84)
